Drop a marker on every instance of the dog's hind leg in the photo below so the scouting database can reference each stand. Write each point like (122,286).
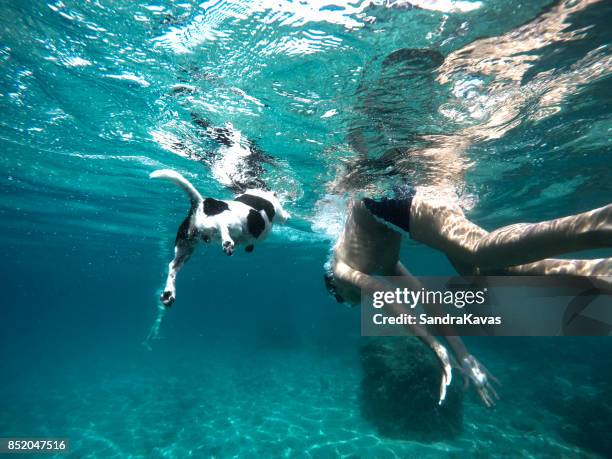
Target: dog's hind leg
(182,251)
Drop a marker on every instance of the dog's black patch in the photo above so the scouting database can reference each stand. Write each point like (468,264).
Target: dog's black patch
(214,206)
(183,232)
(257,203)
(255,223)
(249,248)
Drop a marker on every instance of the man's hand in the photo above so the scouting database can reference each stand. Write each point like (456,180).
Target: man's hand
(447,374)
(476,372)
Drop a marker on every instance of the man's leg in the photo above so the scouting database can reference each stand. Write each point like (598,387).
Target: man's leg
(445,228)
(567,267)
(524,243)
(546,267)
(598,270)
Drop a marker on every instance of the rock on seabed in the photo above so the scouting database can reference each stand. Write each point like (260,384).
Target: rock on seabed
(400,389)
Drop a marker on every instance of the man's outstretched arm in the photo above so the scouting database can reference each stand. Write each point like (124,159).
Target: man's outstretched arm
(473,370)
(344,273)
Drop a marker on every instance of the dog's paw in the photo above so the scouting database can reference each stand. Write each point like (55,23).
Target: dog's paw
(167,298)
(228,247)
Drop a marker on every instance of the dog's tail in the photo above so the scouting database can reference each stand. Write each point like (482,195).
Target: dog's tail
(194,196)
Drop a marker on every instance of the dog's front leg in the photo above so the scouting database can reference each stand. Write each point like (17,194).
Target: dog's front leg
(226,240)
(182,252)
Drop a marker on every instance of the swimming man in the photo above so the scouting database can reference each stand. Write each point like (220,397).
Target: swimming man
(369,247)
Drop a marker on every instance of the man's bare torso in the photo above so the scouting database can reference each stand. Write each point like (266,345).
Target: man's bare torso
(367,245)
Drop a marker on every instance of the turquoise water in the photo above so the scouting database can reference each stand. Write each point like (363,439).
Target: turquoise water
(256,359)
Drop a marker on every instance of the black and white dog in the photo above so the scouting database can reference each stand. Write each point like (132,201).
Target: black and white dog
(245,220)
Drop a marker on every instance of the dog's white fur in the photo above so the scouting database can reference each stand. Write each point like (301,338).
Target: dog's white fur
(230,225)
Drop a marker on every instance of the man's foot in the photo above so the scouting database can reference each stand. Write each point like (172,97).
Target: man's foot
(167,298)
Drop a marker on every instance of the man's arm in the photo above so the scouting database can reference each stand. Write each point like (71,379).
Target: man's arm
(411,282)
(473,370)
(345,273)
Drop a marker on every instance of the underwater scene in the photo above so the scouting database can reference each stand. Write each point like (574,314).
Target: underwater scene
(315,104)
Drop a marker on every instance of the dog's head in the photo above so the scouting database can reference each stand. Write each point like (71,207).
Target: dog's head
(280,214)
